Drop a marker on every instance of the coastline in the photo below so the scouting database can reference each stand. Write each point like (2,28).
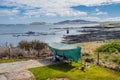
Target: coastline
(93,34)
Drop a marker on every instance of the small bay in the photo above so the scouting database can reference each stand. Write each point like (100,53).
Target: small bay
(7,32)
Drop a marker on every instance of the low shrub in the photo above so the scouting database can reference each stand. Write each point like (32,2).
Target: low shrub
(3,54)
(26,49)
(116,60)
(25,45)
(109,47)
(28,45)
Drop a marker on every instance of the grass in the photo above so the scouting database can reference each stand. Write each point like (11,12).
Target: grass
(90,47)
(113,59)
(64,70)
(72,72)
(10,60)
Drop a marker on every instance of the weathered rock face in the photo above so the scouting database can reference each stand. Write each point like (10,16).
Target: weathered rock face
(92,36)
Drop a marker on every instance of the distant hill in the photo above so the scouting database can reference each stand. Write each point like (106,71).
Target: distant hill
(38,23)
(75,22)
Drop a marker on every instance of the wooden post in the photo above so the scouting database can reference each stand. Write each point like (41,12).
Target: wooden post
(9,52)
(81,58)
(54,56)
(98,57)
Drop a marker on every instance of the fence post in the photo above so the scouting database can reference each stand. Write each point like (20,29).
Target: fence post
(81,58)
(98,57)
(9,51)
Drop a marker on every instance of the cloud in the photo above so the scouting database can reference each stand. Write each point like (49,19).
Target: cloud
(50,14)
(92,18)
(7,12)
(60,8)
(11,18)
(101,13)
(112,19)
(45,7)
(98,12)
(56,7)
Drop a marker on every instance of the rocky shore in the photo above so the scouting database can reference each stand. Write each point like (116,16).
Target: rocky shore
(93,34)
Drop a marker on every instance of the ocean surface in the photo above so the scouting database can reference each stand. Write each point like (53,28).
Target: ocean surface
(7,32)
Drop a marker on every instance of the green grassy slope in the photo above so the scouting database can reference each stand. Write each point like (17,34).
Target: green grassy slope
(73,72)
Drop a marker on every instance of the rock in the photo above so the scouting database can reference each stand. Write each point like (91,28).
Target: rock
(91,60)
(97,36)
(85,54)
(117,68)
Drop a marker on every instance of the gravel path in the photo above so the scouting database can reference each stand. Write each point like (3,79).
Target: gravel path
(18,70)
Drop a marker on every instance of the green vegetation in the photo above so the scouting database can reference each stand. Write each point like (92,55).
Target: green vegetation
(111,59)
(10,60)
(109,47)
(24,50)
(116,59)
(110,24)
(72,72)
(109,51)
(37,45)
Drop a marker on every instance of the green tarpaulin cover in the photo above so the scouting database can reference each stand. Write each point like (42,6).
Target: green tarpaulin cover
(65,50)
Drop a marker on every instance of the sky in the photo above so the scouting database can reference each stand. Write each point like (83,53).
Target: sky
(26,11)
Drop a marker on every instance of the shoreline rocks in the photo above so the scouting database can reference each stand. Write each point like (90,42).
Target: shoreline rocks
(92,36)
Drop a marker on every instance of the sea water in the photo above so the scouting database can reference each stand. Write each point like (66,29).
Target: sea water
(58,37)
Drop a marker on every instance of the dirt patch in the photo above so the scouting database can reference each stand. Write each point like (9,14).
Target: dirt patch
(18,70)
(23,75)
